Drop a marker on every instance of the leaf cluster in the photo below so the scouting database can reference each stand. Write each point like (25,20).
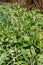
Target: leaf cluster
(21,36)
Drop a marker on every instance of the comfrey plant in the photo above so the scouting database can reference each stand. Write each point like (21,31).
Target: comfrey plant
(21,36)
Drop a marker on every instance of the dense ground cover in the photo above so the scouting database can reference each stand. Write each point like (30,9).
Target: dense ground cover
(21,36)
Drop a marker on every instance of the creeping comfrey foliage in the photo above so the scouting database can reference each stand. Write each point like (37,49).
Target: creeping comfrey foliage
(21,36)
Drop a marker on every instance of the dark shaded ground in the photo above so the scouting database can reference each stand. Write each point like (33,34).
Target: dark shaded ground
(3,3)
